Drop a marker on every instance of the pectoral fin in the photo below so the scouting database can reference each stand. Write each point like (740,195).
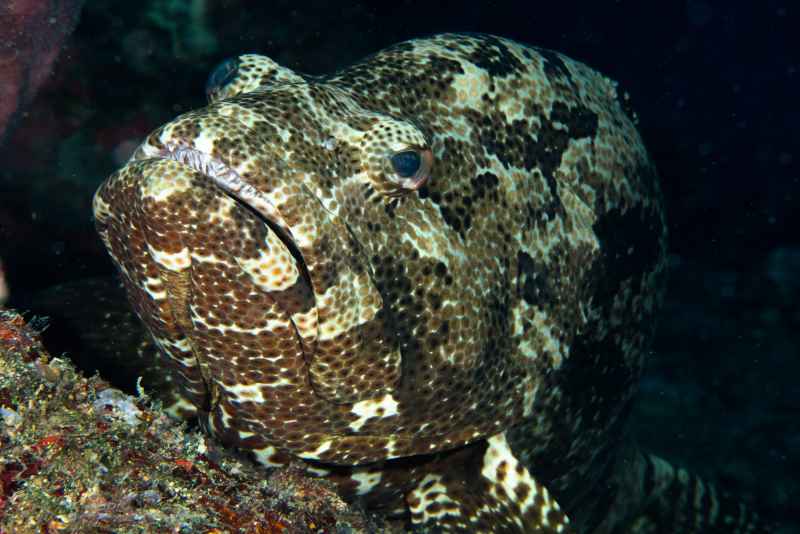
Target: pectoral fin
(489,491)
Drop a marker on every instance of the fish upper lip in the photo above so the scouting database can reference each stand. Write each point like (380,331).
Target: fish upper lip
(222,176)
(232,184)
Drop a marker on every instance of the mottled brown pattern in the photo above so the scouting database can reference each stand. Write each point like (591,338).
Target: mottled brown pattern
(469,340)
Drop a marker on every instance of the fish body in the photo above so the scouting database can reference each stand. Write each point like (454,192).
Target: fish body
(432,276)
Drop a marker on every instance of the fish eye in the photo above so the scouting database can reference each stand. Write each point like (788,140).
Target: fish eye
(412,168)
(222,75)
(406,163)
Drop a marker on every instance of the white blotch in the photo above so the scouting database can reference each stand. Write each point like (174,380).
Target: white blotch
(177,261)
(315,454)
(204,142)
(270,326)
(264,456)
(306,324)
(245,392)
(226,418)
(317,471)
(386,406)
(155,288)
(497,453)
(210,258)
(367,481)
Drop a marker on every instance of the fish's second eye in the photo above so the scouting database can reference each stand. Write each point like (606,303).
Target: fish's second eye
(222,75)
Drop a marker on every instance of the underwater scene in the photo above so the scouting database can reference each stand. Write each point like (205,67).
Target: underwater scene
(367,267)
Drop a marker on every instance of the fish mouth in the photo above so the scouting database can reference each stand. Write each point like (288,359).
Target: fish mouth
(227,179)
(232,184)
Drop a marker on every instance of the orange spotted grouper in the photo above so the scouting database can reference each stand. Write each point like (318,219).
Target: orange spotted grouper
(431,276)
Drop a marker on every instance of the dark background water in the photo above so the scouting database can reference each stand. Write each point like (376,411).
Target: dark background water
(715,85)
